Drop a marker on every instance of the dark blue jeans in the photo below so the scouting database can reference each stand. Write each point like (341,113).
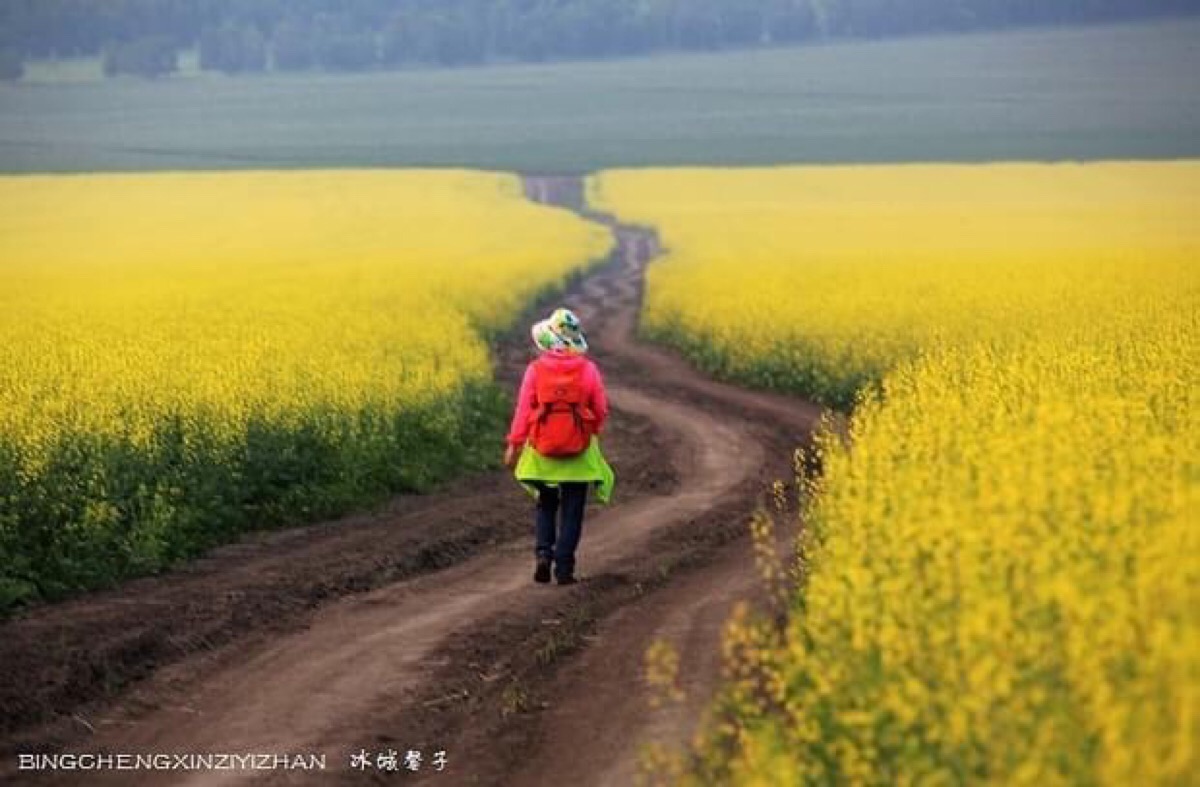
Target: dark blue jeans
(559,542)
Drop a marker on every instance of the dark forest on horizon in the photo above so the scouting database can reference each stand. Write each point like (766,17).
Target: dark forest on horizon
(236,36)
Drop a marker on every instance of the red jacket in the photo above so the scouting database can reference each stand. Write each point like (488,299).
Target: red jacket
(593,391)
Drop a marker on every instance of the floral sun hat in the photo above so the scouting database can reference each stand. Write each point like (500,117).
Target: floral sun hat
(560,331)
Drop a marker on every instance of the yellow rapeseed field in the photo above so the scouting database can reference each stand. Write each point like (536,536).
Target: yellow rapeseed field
(1003,563)
(184,354)
(842,272)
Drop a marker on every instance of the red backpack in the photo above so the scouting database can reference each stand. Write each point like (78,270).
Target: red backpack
(563,424)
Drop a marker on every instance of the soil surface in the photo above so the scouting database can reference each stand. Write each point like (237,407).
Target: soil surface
(418,626)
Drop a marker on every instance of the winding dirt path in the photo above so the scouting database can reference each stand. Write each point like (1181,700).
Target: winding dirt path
(420,656)
(594,734)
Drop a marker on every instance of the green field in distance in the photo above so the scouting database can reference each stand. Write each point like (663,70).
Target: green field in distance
(1126,91)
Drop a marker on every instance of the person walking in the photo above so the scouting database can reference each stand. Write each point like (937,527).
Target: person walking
(560,411)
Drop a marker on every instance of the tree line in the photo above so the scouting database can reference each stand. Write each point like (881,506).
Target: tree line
(145,36)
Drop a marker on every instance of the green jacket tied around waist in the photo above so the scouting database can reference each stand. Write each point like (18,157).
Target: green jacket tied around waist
(587,466)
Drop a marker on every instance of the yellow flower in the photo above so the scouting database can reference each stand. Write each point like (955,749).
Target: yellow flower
(1004,565)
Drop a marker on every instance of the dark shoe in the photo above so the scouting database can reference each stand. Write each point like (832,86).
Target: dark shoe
(542,572)
(569,579)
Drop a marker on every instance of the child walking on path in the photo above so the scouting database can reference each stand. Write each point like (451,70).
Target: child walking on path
(560,410)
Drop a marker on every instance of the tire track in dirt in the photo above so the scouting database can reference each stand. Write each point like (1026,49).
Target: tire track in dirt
(361,667)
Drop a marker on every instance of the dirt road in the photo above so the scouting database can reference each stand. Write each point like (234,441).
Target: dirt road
(419,626)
